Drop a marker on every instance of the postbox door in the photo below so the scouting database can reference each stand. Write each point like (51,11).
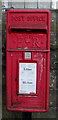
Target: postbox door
(32,95)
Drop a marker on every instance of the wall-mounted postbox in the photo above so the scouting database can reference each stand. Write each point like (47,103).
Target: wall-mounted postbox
(28,60)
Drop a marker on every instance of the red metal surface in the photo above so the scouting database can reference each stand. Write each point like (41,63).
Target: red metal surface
(28,30)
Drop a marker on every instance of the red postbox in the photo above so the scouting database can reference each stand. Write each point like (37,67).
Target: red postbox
(28,60)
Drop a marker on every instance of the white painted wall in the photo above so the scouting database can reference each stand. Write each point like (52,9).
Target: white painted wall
(29,3)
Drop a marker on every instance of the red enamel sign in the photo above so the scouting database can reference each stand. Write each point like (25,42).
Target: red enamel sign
(28,60)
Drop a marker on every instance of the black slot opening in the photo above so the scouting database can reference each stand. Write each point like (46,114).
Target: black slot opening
(29,30)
